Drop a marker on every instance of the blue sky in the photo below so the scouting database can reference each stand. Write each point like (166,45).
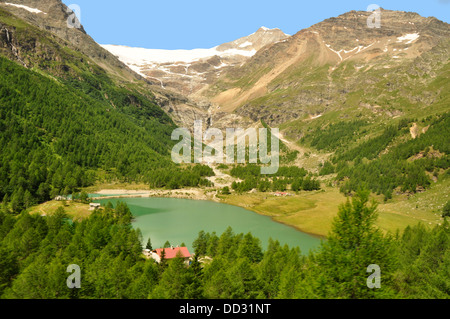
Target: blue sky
(182,24)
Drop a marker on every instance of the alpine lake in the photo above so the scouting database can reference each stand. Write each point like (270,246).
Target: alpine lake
(180,220)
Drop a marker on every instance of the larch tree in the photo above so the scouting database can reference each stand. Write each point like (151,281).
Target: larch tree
(352,246)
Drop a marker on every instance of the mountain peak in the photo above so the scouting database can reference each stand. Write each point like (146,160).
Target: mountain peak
(263,28)
(188,71)
(341,46)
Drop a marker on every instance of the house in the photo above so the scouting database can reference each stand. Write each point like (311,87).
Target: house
(171,253)
(93,206)
(280,194)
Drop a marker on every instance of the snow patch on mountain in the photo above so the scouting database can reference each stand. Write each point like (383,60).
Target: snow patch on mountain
(339,53)
(245,44)
(141,56)
(188,71)
(32,10)
(411,37)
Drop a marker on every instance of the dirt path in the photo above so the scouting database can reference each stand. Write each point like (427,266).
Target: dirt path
(220,179)
(414,130)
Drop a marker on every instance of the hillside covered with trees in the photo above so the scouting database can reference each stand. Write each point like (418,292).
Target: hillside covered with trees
(67,123)
(70,120)
(35,252)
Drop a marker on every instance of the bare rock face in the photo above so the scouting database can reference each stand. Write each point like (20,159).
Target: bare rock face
(269,75)
(318,69)
(182,111)
(350,29)
(255,41)
(190,72)
(57,18)
(56,27)
(335,65)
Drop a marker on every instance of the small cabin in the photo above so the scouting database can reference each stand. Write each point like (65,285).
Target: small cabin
(171,253)
(281,194)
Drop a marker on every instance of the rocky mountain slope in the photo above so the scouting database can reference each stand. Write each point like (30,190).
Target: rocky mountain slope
(356,96)
(41,48)
(188,71)
(53,16)
(339,64)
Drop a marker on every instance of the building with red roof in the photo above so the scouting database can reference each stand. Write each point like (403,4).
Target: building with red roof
(171,253)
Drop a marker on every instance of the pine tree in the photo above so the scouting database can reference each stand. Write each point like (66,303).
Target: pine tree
(174,280)
(195,274)
(149,244)
(9,267)
(84,197)
(250,247)
(200,245)
(351,247)
(163,260)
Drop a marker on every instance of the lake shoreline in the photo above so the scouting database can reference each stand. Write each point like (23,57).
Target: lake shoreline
(156,217)
(188,193)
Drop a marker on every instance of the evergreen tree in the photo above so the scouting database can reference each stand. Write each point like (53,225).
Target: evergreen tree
(200,245)
(351,247)
(194,289)
(250,247)
(149,244)
(84,197)
(163,261)
(423,255)
(9,267)
(174,280)
(226,191)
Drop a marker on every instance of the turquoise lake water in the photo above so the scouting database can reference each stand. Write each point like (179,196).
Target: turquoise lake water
(180,220)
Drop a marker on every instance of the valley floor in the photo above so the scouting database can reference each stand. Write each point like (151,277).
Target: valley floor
(313,212)
(310,212)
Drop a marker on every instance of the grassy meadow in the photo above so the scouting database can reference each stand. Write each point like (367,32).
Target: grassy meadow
(313,212)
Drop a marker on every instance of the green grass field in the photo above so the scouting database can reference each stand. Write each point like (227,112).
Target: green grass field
(313,212)
(423,207)
(74,210)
